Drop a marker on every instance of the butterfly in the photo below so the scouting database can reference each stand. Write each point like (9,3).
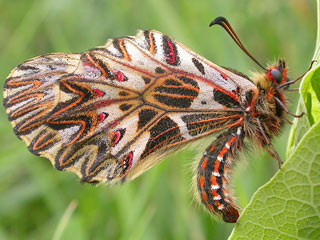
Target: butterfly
(112,112)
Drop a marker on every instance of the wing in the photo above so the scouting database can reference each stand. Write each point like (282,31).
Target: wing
(109,113)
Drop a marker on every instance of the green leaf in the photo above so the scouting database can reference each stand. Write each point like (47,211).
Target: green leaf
(315,83)
(309,103)
(287,207)
(299,128)
(309,100)
(310,92)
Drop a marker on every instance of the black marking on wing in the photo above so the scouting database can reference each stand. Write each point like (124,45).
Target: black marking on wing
(198,65)
(145,116)
(146,80)
(123,93)
(170,51)
(125,107)
(159,70)
(224,99)
(165,132)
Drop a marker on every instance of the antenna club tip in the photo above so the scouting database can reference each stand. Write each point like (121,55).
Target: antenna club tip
(217,20)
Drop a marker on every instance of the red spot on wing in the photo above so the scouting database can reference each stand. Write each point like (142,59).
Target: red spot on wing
(223,76)
(171,59)
(88,64)
(127,162)
(119,76)
(116,137)
(102,116)
(98,92)
(130,157)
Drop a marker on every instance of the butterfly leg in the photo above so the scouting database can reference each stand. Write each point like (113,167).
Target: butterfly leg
(212,174)
(270,148)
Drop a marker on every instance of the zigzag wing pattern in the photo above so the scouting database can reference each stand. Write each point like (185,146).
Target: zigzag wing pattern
(108,114)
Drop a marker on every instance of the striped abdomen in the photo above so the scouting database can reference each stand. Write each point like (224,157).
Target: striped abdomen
(212,174)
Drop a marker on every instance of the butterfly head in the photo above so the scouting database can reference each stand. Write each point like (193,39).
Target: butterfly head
(273,77)
(277,74)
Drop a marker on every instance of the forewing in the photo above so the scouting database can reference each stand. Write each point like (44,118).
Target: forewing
(108,114)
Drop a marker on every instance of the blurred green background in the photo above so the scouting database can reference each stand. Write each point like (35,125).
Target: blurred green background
(34,198)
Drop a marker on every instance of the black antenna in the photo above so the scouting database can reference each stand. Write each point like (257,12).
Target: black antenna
(226,25)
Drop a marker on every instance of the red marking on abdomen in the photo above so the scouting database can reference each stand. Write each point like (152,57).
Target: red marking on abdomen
(223,152)
(214,193)
(218,204)
(201,181)
(210,207)
(212,183)
(232,140)
(216,166)
(204,164)
(212,148)
(204,196)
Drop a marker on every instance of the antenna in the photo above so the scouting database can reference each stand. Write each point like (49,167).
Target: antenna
(226,25)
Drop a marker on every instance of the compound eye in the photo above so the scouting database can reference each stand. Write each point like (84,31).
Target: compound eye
(276,74)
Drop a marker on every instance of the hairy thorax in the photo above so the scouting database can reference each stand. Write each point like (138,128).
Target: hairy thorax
(267,116)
